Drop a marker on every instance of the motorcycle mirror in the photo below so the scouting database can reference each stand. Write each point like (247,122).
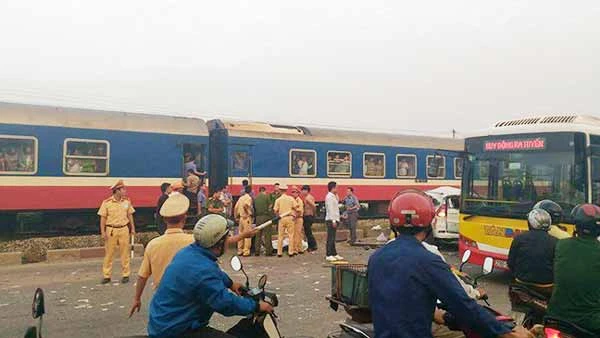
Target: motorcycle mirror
(466,255)
(236,263)
(262,282)
(38,307)
(488,265)
(465,258)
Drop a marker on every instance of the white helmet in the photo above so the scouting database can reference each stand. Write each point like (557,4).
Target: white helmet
(539,219)
(210,229)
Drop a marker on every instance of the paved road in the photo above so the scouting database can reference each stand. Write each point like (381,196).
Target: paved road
(77,306)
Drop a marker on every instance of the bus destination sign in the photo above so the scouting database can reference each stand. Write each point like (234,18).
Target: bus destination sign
(538,143)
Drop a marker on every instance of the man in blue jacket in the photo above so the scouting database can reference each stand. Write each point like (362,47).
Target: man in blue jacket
(193,287)
(406,280)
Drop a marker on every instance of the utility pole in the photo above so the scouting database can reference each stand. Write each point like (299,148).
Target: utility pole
(453,133)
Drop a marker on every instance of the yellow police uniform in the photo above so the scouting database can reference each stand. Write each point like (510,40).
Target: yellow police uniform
(160,251)
(117,214)
(299,225)
(285,203)
(243,211)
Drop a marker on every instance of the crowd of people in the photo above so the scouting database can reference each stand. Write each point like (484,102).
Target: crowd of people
(293,207)
(17,157)
(403,293)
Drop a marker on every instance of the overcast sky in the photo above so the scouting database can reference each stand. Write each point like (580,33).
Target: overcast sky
(429,66)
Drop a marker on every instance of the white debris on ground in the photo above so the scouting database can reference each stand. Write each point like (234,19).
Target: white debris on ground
(376,228)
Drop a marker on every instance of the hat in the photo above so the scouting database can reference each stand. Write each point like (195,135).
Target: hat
(177,186)
(118,185)
(283,186)
(210,229)
(175,205)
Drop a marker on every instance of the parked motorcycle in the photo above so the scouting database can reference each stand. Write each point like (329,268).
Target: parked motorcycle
(353,329)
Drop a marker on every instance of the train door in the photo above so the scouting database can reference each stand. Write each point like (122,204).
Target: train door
(240,164)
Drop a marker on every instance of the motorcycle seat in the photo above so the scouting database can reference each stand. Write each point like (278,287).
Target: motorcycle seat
(366,328)
(525,289)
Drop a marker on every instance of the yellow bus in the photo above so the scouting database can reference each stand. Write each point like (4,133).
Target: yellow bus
(515,164)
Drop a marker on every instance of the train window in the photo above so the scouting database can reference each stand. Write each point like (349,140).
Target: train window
(458,167)
(374,165)
(339,163)
(406,166)
(240,161)
(86,157)
(441,165)
(193,158)
(18,155)
(303,163)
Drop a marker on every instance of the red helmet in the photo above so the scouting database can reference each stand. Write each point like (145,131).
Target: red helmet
(411,208)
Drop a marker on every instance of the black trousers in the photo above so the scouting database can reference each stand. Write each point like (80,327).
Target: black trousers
(310,238)
(331,232)
(206,332)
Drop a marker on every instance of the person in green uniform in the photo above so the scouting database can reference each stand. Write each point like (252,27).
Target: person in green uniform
(273,197)
(263,214)
(576,296)
(214,205)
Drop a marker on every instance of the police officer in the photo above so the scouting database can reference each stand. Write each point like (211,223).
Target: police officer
(263,214)
(298,221)
(116,223)
(160,251)
(244,212)
(285,204)
(405,280)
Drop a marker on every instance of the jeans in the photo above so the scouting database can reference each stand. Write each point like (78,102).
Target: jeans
(331,232)
(310,238)
(352,221)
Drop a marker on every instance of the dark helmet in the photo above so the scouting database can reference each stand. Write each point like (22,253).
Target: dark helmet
(411,208)
(551,207)
(587,219)
(539,219)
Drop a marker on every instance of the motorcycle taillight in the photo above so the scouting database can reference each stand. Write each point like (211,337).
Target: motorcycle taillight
(552,333)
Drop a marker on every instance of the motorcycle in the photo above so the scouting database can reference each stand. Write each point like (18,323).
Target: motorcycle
(260,325)
(38,309)
(351,328)
(528,306)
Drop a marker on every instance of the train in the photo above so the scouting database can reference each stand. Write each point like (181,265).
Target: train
(57,163)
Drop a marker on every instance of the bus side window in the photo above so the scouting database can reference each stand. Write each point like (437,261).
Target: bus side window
(596,180)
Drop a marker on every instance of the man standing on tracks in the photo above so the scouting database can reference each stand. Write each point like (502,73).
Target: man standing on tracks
(310,210)
(214,205)
(263,214)
(165,189)
(244,213)
(160,251)
(285,204)
(116,223)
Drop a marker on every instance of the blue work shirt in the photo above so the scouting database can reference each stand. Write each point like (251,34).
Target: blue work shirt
(192,288)
(405,282)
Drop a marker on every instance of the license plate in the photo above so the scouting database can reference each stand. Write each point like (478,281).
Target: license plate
(501,264)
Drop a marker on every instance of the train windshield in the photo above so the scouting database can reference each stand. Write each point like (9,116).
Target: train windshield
(505,176)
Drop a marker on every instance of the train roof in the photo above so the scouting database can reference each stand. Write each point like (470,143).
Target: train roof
(544,123)
(16,113)
(318,134)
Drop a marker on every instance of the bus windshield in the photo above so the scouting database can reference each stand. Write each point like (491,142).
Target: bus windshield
(505,176)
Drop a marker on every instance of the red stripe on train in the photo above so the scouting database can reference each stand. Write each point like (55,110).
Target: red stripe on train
(73,197)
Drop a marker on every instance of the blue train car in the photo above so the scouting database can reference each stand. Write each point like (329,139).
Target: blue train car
(62,161)
(376,165)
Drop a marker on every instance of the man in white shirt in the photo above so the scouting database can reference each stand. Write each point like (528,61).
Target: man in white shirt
(332,219)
